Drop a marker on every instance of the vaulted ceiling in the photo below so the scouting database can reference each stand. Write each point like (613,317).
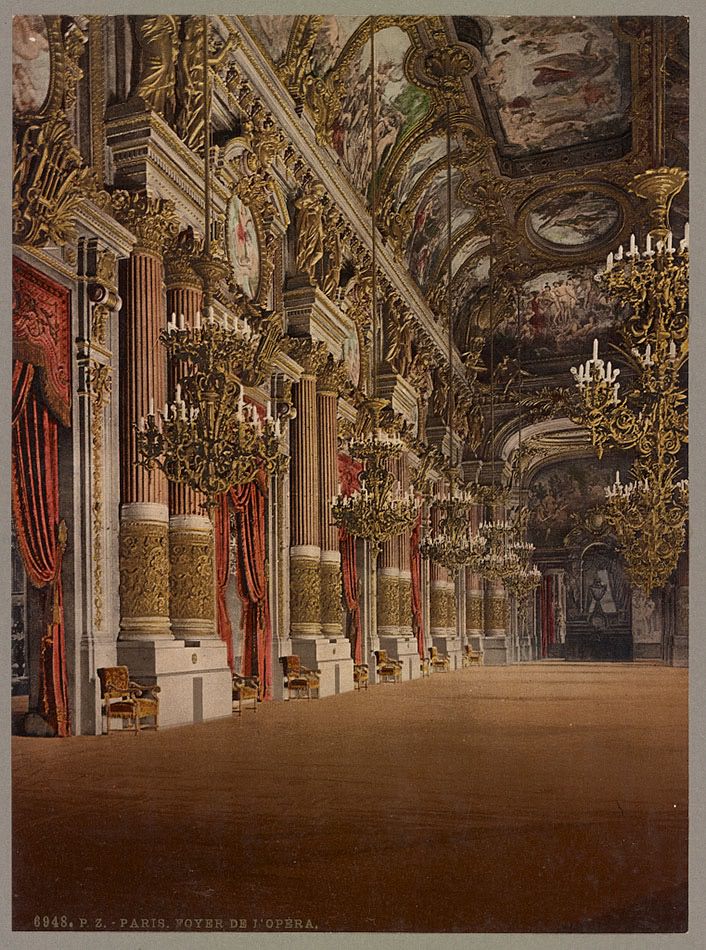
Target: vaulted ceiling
(550,118)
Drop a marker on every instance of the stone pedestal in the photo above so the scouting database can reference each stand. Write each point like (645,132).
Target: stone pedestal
(193,677)
(332,657)
(452,646)
(404,649)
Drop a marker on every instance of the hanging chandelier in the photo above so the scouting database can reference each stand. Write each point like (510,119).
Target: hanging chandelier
(649,513)
(208,438)
(453,543)
(378,510)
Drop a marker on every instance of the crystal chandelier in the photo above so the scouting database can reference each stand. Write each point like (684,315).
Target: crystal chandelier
(208,438)
(649,514)
(453,544)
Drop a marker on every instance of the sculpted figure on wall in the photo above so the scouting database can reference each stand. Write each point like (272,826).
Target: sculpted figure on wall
(189,81)
(159,42)
(310,230)
(401,338)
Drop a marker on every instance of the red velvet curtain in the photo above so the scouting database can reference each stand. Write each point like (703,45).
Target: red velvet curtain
(41,535)
(546,609)
(222,542)
(348,472)
(416,569)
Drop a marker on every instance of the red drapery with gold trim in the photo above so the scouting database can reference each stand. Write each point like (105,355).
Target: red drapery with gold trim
(221,532)
(348,471)
(415,561)
(41,534)
(248,505)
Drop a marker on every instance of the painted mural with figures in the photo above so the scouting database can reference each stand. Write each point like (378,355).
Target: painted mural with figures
(31,63)
(401,106)
(573,219)
(272,31)
(556,83)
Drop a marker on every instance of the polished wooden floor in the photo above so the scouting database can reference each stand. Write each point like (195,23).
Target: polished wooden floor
(545,797)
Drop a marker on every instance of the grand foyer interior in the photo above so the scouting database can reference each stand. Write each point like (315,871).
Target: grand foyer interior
(403,274)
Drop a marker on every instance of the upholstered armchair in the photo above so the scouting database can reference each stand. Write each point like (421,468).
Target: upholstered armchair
(245,688)
(361,675)
(299,680)
(389,670)
(440,662)
(121,698)
(471,657)
(424,666)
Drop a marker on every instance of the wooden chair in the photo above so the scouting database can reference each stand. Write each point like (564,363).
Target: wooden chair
(471,657)
(424,666)
(361,675)
(389,670)
(123,699)
(298,679)
(439,661)
(245,688)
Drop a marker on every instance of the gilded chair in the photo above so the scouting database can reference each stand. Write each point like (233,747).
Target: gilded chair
(245,688)
(389,670)
(123,699)
(439,661)
(471,657)
(424,666)
(361,675)
(299,680)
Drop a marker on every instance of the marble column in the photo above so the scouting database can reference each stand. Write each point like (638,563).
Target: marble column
(330,564)
(404,556)
(144,516)
(495,630)
(194,679)
(191,556)
(305,550)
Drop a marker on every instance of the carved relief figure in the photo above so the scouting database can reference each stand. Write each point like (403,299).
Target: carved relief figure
(189,81)
(159,41)
(310,230)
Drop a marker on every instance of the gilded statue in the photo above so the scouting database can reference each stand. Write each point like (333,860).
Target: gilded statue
(310,230)
(159,42)
(189,81)
(401,341)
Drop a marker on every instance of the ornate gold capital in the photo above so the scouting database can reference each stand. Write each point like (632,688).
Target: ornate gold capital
(152,220)
(180,252)
(310,354)
(332,376)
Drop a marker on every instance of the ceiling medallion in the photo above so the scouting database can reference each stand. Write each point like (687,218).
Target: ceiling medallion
(445,67)
(576,220)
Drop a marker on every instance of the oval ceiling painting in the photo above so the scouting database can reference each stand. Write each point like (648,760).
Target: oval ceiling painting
(573,219)
(31,64)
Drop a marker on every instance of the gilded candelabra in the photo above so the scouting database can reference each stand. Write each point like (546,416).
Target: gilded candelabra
(209,438)
(649,514)
(378,510)
(454,544)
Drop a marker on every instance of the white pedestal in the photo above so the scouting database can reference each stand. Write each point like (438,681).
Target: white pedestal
(193,676)
(450,646)
(403,649)
(495,650)
(330,655)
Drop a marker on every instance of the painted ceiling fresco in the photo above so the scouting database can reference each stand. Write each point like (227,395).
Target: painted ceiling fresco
(401,106)
(574,218)
(272,31)
(333,34)
(551,94)
(555,82)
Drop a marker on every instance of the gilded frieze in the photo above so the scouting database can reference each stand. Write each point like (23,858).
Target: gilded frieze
(405,603)
(191,577)
(474,613)
(304,591)
(388,601)
(331,591)
(496,609)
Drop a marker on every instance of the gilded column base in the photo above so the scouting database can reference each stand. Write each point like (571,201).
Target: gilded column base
(405,597)
(144,579)
(305,594)
(191,578)
(388,605)
(331,594)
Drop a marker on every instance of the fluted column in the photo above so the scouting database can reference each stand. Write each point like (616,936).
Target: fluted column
(388,599)
(405,595)
(474,595)
(144,516)
(330,379)
(191,556)
(305,550)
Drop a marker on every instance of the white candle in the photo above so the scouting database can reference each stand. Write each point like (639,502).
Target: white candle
(670,247)
(178,392)
(595,348)
(181,321)
(609,262)
(269,410)
(672,350)
(648,245)
(633,246)
(197,320)
(619,255)
(686,234)
(151,412)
